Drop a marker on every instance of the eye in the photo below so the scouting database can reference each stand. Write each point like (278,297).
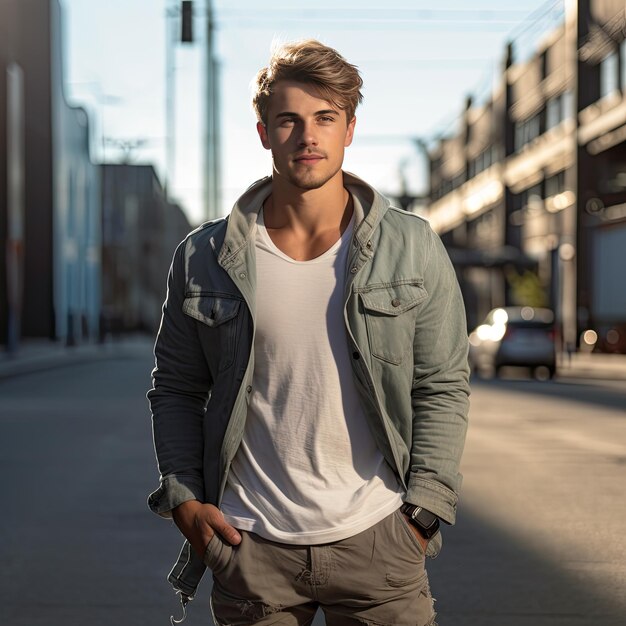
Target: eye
(287,121)
(326,119)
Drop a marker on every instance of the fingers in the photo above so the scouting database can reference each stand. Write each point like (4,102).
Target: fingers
(199,522)
(211,520)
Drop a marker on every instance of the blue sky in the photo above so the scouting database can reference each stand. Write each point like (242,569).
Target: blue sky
(418,60)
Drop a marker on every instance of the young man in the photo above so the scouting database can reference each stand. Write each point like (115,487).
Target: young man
(311,385)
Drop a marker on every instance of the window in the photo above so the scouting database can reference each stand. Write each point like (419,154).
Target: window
(622,49)
(609,78)
(555,184)
(519,135)
(484,160)
(534,127)
(543,64)
(568,105)
(553,112)
(458,180)
(559,108)
(527,130)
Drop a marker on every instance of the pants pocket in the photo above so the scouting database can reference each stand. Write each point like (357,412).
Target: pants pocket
(408,532)
(217,553)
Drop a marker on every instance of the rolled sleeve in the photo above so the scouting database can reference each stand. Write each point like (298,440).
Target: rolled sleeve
(172,491)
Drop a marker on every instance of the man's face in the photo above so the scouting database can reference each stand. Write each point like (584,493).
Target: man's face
(306,134)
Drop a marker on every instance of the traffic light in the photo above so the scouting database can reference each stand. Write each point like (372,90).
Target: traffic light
(186,35)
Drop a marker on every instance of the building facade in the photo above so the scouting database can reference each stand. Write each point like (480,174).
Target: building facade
(49,188)
(529,193)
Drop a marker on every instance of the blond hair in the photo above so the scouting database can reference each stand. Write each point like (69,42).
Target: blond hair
(313,63)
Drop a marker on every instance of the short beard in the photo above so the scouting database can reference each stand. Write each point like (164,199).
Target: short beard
(309,184)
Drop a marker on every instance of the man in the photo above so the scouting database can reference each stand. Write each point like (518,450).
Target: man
(310,391)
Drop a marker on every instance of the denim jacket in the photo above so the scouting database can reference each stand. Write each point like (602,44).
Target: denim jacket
(406,331)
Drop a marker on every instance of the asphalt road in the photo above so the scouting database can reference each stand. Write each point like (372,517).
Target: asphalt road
(540,538)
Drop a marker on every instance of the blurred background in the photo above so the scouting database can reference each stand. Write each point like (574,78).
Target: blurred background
(124,124)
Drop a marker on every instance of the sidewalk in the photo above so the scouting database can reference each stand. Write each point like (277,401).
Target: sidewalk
(584,365)
(41,355)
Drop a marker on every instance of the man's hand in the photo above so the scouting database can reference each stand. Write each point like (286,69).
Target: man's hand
(199,522)
(422,540)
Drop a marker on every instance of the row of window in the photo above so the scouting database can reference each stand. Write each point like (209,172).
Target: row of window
(549,187)
(485,159)
(556,110)
(531,200)
(533,197)
(612,77)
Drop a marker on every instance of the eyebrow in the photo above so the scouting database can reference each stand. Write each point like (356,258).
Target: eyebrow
(292,114)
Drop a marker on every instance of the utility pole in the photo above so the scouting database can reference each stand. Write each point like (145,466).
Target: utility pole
(177,15)
(212,139)
(171,16)
(179,28)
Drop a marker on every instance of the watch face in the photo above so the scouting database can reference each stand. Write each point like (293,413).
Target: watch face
(425,519)
(416,511)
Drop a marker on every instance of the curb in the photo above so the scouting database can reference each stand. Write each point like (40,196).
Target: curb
(56,357)
(594,366)
(597,373)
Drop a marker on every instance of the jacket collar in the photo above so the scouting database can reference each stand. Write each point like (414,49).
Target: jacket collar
(369,210)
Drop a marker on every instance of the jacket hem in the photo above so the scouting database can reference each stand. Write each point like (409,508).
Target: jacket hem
(174,490)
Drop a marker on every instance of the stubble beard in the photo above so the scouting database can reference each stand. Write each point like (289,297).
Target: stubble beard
(309,180)
(307,183)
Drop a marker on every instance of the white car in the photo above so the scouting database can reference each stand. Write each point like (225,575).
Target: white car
(515,336)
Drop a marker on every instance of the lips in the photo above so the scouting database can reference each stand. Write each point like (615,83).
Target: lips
(309,159)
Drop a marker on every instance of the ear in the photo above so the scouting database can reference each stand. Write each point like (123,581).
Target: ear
(260,128)
(349,132)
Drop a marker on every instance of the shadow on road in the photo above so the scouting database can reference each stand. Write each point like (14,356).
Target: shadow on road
(80,546)
(590,393)
(485,577)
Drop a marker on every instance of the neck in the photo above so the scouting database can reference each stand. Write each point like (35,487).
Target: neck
(308,210)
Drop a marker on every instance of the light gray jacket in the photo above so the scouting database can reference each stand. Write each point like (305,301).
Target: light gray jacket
(406,331)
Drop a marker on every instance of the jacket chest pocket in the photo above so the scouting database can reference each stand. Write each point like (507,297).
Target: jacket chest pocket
(219,330)
(390,314)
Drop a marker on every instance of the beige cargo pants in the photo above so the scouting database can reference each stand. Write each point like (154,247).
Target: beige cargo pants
(376,578)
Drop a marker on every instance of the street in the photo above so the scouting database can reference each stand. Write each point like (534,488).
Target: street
(540,538)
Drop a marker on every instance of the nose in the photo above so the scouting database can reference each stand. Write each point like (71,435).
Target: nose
(307,135)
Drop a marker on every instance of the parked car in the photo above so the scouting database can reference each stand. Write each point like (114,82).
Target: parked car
(515,336)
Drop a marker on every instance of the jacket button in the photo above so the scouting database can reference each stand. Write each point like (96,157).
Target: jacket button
(356,356)
(395,302)
(353,270)
(249,388)
(242,275)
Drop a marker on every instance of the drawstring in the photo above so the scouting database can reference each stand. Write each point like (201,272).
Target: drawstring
(184,600)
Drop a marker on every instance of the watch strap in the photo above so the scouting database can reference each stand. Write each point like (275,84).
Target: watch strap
(425,521)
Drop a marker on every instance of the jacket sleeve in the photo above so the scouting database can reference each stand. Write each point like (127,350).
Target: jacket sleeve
(180,388)
(440,390)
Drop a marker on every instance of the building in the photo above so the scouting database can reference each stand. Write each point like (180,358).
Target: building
(529,194)
(601,172)
(141,230)
(49,188)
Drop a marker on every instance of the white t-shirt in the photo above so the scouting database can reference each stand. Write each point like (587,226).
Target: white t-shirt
(308,470)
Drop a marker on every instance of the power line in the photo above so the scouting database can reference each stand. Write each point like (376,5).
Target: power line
(336,18)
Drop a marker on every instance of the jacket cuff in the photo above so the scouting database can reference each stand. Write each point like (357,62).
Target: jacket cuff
(433,496)
(175,490)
